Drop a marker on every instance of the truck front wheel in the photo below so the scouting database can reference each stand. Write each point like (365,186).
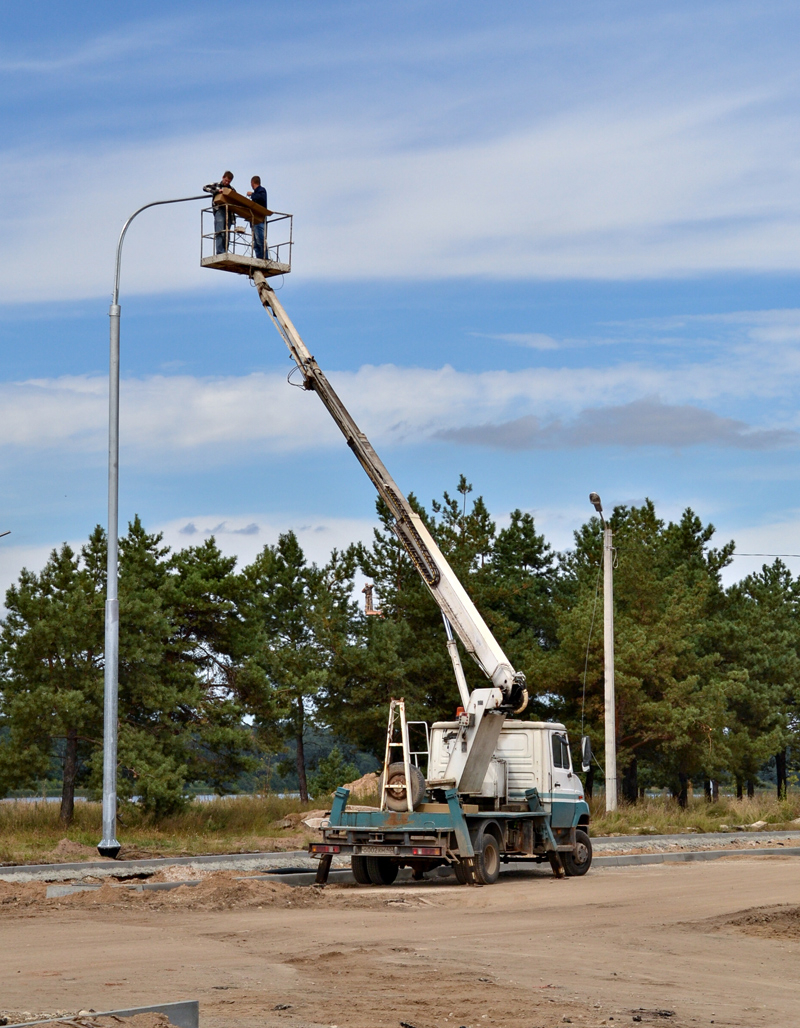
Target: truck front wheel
(580,860)
(487,860)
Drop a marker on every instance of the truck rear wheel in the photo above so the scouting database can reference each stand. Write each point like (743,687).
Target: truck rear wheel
(487,860)
(358,865)
(580,860)
(461,872)
(381,870)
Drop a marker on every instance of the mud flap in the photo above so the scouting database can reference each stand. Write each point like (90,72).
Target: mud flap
(552,852)
(472,878)
(324,869)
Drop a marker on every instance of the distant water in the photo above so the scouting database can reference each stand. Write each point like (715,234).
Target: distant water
(200,798)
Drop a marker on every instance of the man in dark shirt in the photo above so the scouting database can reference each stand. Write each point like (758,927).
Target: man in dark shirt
(258,194)
(223,218)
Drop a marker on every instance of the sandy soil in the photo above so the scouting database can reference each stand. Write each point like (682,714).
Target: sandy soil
(711,942)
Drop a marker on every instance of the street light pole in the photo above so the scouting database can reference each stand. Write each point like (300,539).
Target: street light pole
(610,713)
(108,846)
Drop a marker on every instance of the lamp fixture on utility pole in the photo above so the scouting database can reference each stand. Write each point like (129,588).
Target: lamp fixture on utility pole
(108,846)
(608,651)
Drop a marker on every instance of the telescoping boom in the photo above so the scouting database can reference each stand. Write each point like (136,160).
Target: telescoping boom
(508,693)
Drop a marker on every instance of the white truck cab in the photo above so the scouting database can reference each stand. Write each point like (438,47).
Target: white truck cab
(528,755)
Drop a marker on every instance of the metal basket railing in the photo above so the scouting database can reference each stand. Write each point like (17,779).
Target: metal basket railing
(223,232)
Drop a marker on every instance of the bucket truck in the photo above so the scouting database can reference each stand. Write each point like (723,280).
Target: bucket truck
(496,788)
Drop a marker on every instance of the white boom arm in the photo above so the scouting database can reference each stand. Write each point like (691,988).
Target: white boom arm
(437,574)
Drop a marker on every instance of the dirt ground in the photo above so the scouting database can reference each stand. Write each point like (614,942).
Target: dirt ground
(669,944)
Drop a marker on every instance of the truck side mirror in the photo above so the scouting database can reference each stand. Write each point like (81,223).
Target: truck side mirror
(586,753)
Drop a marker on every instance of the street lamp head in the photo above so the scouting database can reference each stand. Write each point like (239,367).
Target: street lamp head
(594,499)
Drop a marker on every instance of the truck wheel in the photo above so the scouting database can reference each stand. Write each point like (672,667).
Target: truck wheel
(396,777)
(461,872)
(358,865)
(578,862)
(487,860)
(381,870)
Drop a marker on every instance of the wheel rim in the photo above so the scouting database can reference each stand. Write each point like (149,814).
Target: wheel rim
(491,859)
(581,853)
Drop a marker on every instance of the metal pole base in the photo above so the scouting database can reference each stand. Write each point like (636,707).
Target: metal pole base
(108,848)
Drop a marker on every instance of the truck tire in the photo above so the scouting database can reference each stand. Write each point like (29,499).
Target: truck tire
(487,860)
(396,775)
(358,865)
(578,862)
(461,872)
(381,870)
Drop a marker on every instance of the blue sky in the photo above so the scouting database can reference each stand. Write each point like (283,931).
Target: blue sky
(552,246)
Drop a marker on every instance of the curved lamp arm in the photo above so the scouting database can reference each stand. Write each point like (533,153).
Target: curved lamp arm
(155,203)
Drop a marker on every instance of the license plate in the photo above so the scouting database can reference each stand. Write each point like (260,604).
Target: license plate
(387,851)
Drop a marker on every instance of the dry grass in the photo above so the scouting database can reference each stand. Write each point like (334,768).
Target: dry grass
(664,816)
(32,832)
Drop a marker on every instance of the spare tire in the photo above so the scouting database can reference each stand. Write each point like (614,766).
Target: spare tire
(396,782)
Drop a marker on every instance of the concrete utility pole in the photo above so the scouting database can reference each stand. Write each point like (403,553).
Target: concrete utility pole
(608,651)
(108,846)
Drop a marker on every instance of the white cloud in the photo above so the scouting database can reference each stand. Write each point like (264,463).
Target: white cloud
(14,558)
(646,422)
(600,191)
(242,536)
(217,418)
(532,340)
(245,535)
(765,540)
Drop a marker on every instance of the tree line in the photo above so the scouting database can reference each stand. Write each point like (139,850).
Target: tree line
(220,668)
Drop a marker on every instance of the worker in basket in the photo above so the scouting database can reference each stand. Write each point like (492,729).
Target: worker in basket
(224,218)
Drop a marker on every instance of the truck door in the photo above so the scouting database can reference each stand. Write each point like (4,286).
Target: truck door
(566,788)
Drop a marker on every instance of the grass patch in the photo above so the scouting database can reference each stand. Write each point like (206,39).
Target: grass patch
(664,817)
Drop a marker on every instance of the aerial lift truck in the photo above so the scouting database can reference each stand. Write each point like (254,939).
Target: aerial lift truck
(496,788)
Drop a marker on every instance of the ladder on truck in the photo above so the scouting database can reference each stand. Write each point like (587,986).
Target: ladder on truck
(397,724)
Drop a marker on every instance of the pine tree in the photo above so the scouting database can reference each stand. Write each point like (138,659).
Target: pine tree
(51,648)
(673,684)
(179,720)
(763,639)
(290,612)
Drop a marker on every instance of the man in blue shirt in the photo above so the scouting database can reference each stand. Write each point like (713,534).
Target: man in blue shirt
(258,194)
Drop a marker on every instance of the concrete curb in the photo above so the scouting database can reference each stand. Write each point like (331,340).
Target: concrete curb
(108,866)
(604,852)
(691,839)
(624,860)
(182,1014)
